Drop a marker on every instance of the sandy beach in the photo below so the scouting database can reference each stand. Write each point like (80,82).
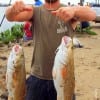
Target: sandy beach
(87,66)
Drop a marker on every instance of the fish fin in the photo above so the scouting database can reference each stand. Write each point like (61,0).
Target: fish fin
(14,80)
(64,72)
(6,78)
(56,50)
(54,74)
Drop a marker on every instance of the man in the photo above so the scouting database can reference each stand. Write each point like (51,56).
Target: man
(69,4)
(49,23)
(38,3)
(27,31)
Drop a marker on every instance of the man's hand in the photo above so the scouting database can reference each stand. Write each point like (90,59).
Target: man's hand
(65,13)
(19,6)
(19,12)
(81,13)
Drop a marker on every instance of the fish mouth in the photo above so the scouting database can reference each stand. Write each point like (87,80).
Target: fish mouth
(16,48)
(66,39)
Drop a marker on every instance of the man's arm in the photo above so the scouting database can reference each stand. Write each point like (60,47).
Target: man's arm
(19,12)
(80,13)
(75,13)
(85,13)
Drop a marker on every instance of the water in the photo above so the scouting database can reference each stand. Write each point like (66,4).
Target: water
(97,9)
(6,24)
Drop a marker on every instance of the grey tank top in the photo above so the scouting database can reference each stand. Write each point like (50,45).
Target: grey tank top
(47,33)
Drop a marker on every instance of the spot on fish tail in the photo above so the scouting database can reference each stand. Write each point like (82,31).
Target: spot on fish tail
(64,72)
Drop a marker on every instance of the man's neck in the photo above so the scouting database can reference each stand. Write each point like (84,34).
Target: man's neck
(52,6)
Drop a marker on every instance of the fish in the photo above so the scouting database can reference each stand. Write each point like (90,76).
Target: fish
(16,74)
(77,43)
(63,70)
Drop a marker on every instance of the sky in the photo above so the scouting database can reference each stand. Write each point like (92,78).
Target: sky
(7,1)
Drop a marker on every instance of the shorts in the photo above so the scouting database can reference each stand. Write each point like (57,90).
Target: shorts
(39,89)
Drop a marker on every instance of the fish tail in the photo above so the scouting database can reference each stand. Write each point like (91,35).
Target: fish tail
(10,98)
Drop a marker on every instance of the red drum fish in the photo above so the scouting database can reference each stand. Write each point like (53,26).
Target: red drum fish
(63,70)
(16,75)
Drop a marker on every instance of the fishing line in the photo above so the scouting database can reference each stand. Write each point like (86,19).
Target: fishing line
(50,4)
